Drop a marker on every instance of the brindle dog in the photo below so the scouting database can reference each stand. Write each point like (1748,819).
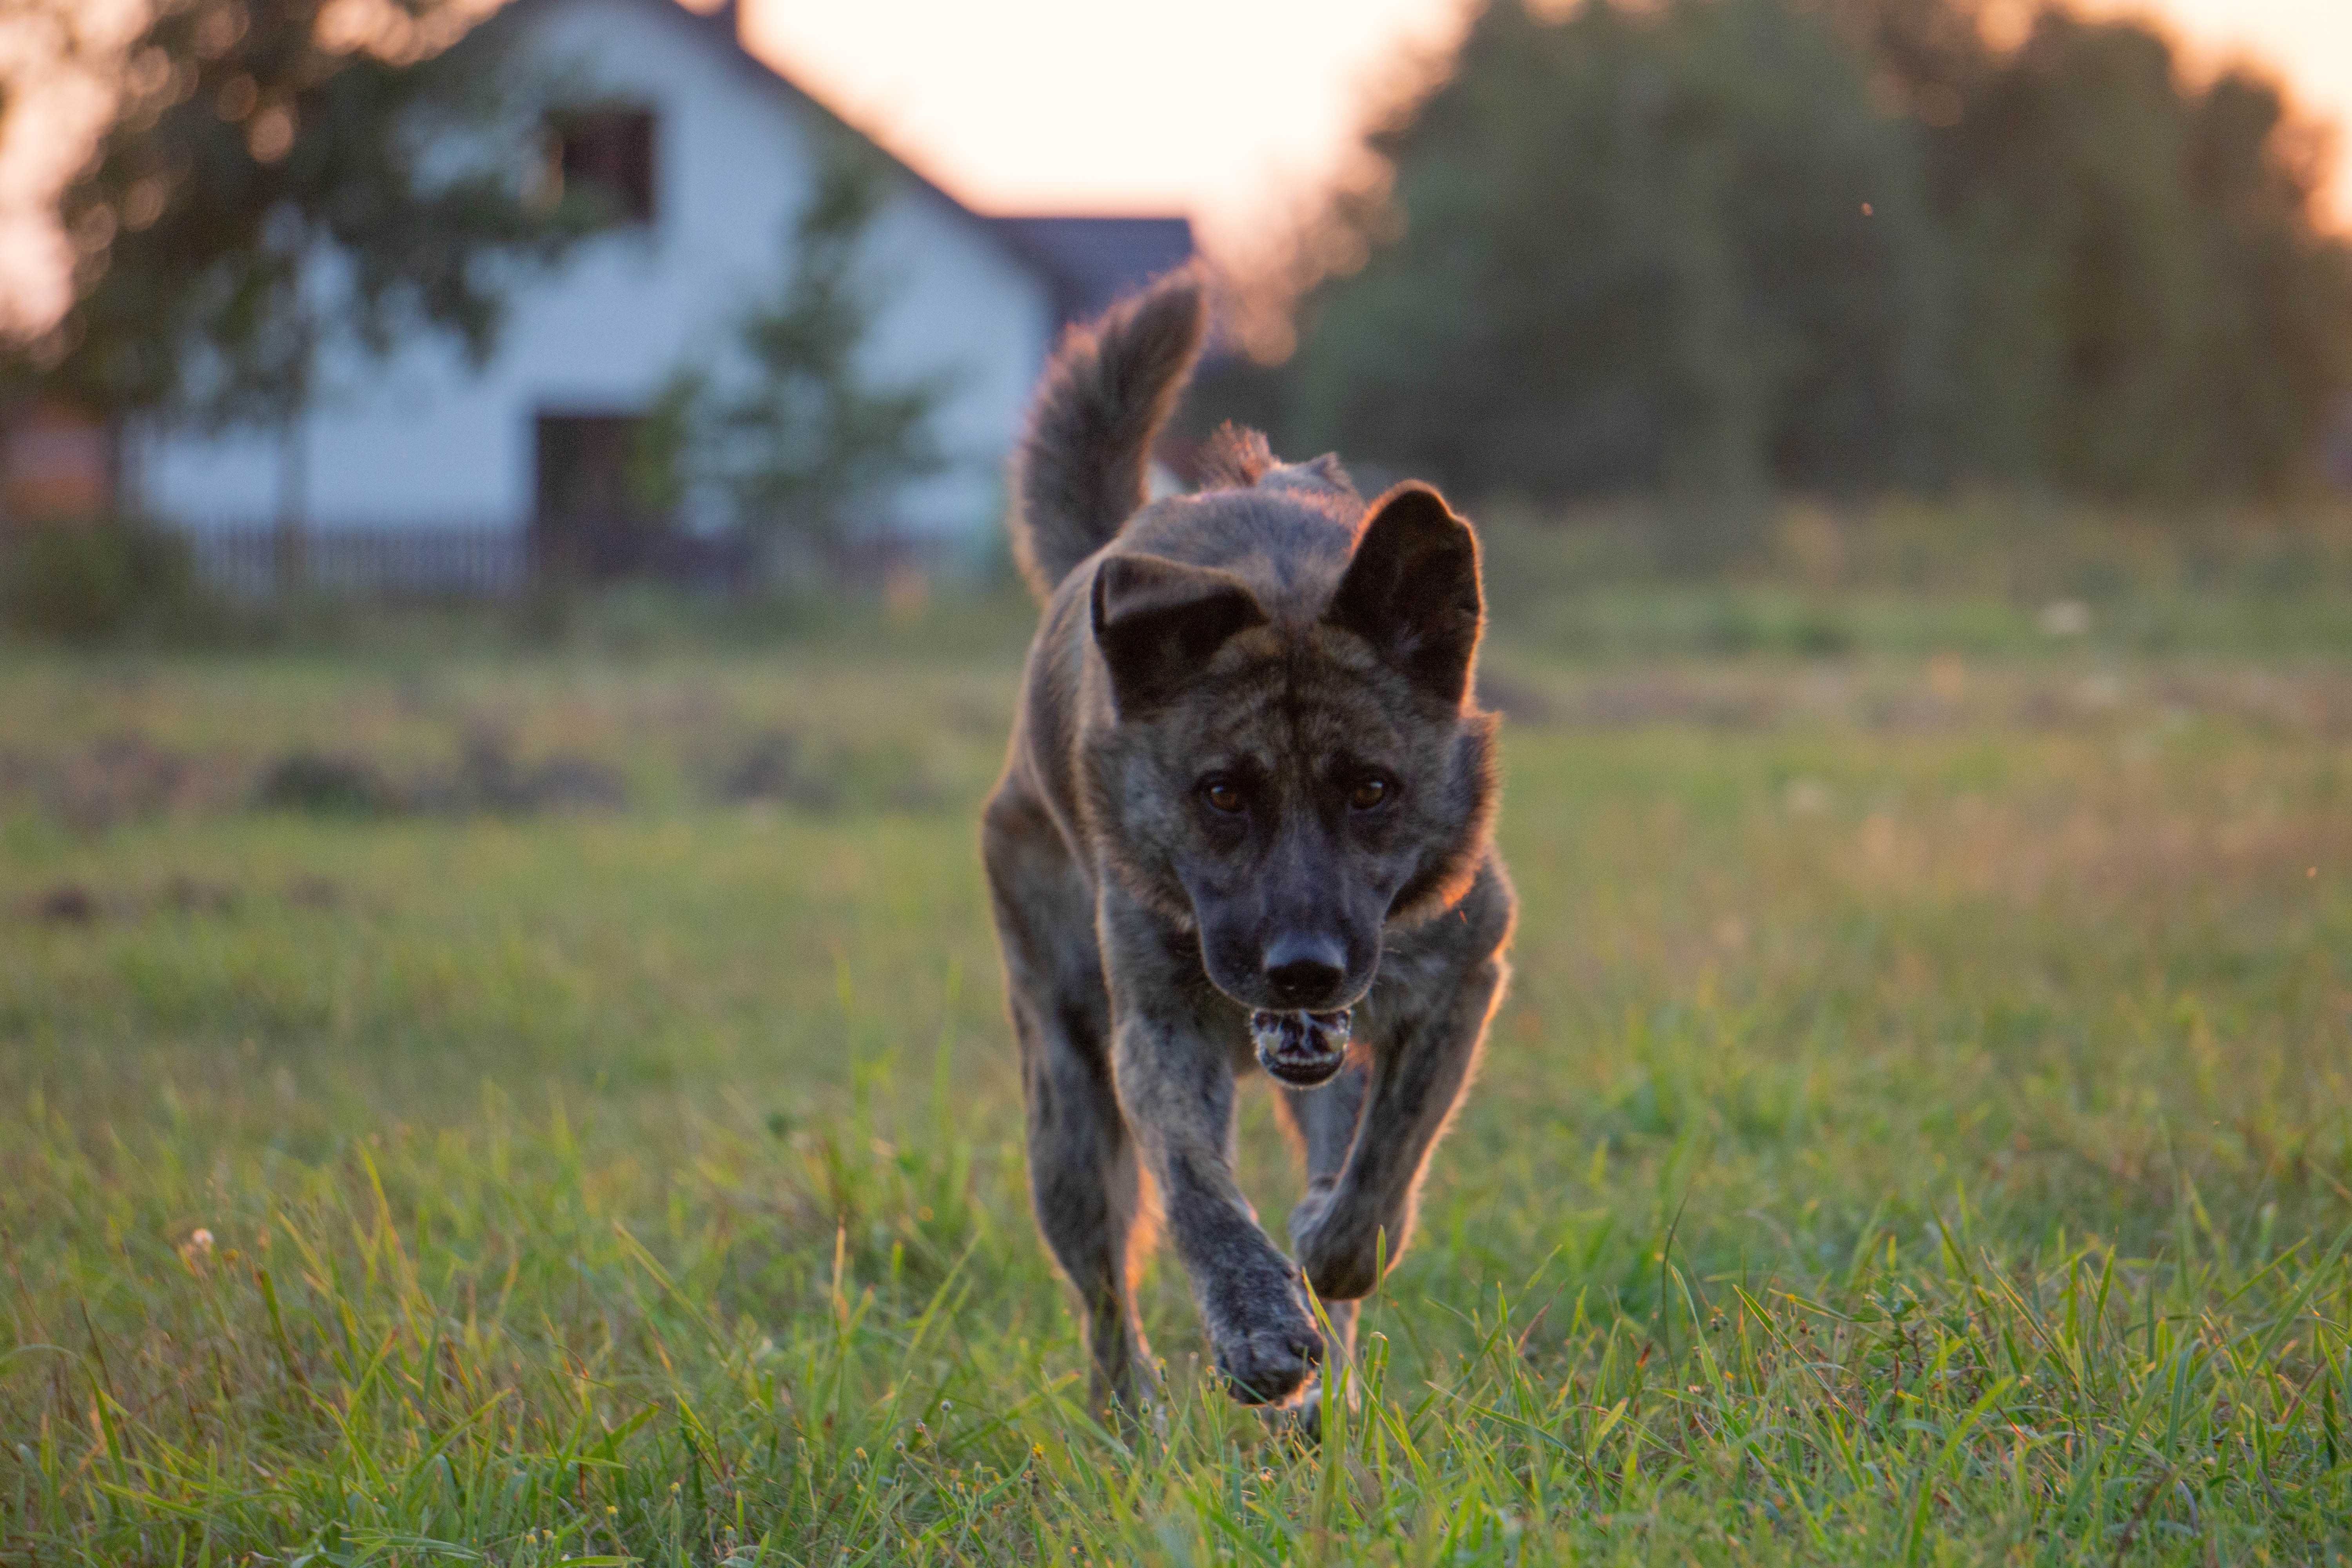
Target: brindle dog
(1245,819)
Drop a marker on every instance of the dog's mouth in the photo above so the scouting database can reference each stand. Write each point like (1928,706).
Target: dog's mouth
(1302,1049)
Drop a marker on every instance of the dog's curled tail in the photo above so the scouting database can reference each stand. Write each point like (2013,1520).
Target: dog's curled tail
(1080,472)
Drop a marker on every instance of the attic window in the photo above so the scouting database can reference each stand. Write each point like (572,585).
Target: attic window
(607,154)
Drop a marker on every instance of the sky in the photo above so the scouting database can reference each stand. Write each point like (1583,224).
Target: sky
(1231,109)
(1225,110)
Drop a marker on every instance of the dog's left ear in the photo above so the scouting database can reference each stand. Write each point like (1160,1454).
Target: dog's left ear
(1412,591)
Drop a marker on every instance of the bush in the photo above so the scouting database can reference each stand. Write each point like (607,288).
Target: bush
(89,581)
(323,785)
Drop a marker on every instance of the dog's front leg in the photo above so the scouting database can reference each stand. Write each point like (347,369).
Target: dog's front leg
(1345,1231)
(1324,1122)
(1178,1091)
(1174,1068)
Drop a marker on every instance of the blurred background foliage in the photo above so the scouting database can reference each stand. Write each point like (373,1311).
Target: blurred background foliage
(782,431)
(284,173)
(1718,247)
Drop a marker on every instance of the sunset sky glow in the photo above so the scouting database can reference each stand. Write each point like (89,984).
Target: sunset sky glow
(1231,109)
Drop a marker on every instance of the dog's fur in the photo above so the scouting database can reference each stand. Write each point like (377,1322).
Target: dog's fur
(1248,772)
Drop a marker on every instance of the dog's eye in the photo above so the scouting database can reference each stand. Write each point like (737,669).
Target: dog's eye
(1368,794)
(1221,793)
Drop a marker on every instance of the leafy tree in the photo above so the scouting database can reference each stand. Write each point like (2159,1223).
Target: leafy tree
(1716,244)
(788,435)
(2152,306)
(280,175)
(1673,246)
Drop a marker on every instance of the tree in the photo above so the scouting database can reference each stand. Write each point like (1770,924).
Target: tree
(789,436)
(1635,249)
(2153,307)
(1710,245)
(280,175)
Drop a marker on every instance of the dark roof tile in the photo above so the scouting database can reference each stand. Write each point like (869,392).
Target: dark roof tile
(1096,259)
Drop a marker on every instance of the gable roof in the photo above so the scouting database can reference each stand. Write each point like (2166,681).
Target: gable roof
(1083,262)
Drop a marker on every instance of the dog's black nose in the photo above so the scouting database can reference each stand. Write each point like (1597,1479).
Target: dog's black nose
(1305,970)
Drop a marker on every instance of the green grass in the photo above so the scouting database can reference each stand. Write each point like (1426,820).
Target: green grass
(1921,1130)
(1978,575)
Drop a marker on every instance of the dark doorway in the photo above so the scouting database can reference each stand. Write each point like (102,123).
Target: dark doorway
(589,518)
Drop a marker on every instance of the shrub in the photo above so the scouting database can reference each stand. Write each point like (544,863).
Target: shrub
(88,582)
(323,785)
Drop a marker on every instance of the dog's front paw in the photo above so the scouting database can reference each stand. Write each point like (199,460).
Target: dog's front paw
(1268,1347)
(1341,1260)
(1266,1367)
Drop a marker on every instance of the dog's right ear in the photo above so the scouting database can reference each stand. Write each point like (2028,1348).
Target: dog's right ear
(1157,621)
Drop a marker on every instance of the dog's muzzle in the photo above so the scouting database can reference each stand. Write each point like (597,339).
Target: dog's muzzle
(1302,1049)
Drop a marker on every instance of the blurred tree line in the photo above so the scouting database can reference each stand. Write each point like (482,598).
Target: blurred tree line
(1721,247)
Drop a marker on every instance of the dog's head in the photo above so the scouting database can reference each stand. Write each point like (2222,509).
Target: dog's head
(1296,761)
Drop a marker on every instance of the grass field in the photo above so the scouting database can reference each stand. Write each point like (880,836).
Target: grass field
(576,1123)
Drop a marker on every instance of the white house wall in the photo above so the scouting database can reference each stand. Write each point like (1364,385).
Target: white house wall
(421,441)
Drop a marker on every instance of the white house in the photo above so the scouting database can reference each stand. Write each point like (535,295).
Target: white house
(711,152)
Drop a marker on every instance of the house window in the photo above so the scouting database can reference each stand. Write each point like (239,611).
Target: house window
(607,154)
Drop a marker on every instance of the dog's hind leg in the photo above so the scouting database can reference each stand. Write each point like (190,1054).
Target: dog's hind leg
(1088,1192)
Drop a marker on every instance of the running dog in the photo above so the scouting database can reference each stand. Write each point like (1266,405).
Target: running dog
(1245,821)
